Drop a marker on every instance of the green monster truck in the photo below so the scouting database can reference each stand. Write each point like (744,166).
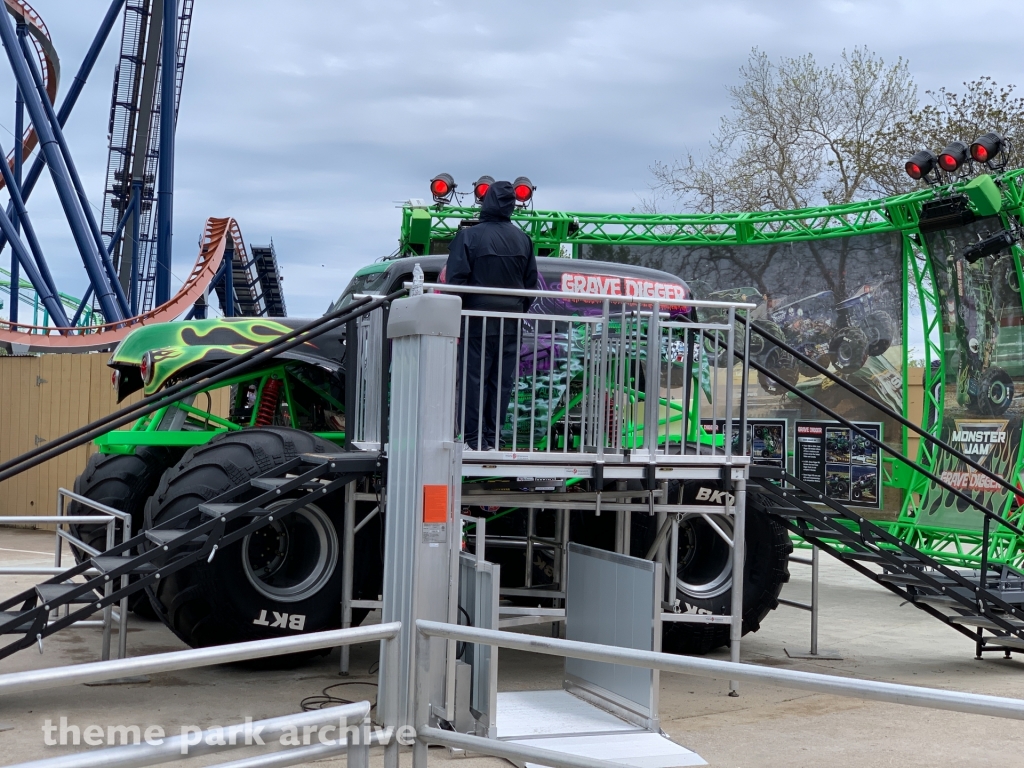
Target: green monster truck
(286,577)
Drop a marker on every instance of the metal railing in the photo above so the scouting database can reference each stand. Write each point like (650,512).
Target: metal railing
(239,736)
(588,377)
(893,693)
(146,754)
(109,518)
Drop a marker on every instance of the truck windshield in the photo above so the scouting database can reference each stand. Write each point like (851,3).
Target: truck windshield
(370,283)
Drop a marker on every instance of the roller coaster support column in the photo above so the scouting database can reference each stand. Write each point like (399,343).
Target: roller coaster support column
(76,181)
(165,206)
(21,216)
(19,160)
(229,279)
(71,98)
(69,200)
(423,493)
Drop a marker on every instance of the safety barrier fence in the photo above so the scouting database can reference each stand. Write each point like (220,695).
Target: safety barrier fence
(893,693)
(592,377)
(107,517)
(195,744)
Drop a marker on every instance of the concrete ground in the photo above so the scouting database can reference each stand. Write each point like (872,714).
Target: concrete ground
(878,638)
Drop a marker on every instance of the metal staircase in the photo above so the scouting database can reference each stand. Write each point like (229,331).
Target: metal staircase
(177,543)
(256,283)
(989,599)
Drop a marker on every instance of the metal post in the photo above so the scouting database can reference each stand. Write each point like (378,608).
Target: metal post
(71,98)
(76,181)
(48,146)
(165,206)
(979,645)
(135,288)
(348,567)
(43,291)
(738,555)
(424,487)
(20,218)
(814,601)
(389,712)
(19,159)
(422,700)
(229,280)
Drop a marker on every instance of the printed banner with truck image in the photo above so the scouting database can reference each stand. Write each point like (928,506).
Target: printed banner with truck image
(840,463)
(982,324)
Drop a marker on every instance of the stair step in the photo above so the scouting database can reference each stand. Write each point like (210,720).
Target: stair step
(49,593)
(913,577)
(985,621)
(273,483)
(108,564)
(9,624)
(217,510)
(824,533)
(876,557)
(164,536)
(1009,642)
(938,600)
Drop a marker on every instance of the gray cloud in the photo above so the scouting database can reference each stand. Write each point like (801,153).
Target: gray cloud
(307,120)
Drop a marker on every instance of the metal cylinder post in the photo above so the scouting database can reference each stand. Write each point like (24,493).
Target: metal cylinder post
(424,487)
(348,567)
(814,601)
(168,118)
(738,555)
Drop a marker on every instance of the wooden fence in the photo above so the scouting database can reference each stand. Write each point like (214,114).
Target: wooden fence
(43,398)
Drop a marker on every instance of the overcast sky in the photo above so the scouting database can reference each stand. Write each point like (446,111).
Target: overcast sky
(309,120)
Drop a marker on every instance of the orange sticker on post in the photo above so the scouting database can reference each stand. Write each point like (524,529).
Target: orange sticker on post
(435,503)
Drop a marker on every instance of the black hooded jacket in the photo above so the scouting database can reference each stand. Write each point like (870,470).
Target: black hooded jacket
(494,253)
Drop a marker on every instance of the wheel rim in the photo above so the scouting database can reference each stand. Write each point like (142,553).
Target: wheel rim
(997,392)
(293,557)
(705,562)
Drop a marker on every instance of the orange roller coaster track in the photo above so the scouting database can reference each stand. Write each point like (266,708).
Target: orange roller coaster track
(24,339)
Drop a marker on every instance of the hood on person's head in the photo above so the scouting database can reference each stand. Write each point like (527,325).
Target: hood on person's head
(498,203)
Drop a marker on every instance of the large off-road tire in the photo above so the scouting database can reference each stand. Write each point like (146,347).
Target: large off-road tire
(704,576)
(124,482)
(879,328)
(280,580)
(848,350)
(994,392)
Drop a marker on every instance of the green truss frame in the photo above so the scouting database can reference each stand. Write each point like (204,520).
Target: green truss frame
(553,231)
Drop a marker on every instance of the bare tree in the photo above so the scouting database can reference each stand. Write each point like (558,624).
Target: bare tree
(798,134)
(983,106)
(801,134)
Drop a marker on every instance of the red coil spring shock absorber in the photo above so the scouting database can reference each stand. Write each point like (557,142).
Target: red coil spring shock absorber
(268,403)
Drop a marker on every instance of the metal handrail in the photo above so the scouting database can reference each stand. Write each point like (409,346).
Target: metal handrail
(893,693)
(252,358)
(58,677)
(175,748)
(533,294)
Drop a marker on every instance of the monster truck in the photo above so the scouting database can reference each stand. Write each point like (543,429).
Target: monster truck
(188,453)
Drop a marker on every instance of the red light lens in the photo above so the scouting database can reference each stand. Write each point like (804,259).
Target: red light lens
(481,190)
(439,187)
(914,170)
(979,153)
(115,379)
(948,162)
(523,193)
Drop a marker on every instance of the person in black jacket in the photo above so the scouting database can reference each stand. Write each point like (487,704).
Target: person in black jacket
(495,254)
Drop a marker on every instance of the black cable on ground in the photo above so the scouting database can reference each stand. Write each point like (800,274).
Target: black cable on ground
(326,699)
(254,358)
